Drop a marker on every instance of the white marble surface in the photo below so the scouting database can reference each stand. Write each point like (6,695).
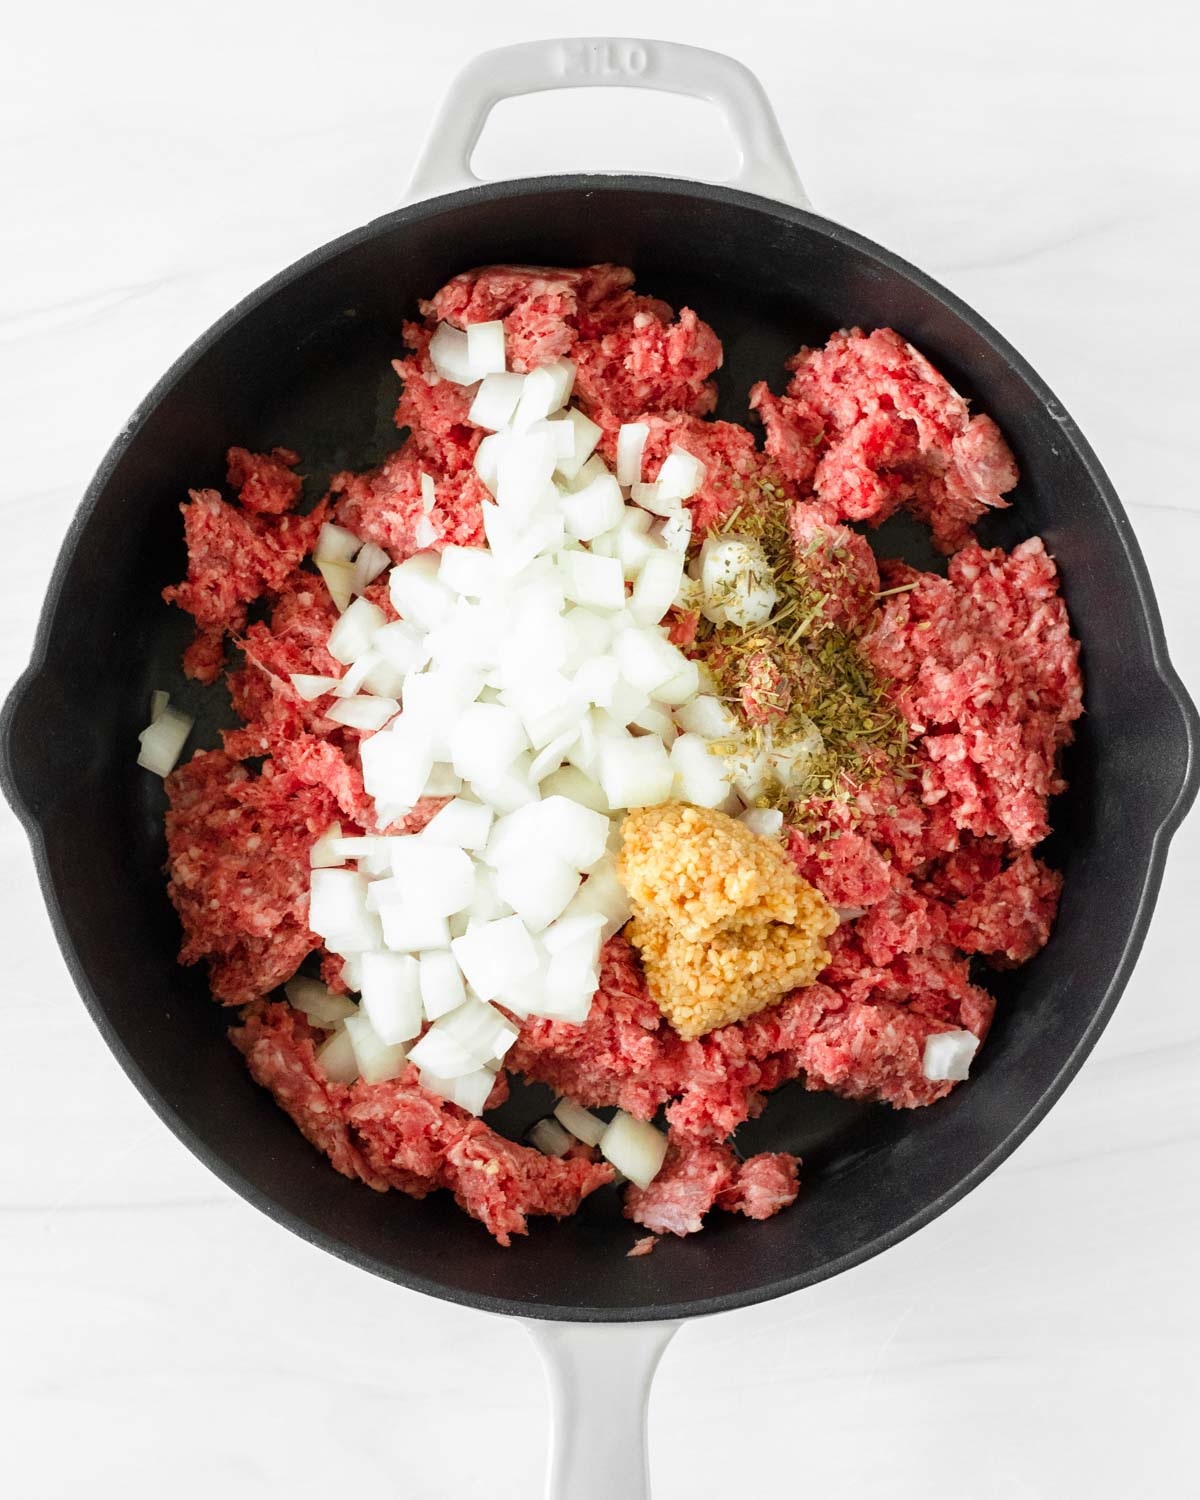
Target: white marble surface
(1038,1341)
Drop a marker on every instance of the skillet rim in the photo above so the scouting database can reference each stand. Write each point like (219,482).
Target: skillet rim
(1151,863)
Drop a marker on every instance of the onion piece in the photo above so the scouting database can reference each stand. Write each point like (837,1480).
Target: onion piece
(337,1058)
(417,593)
(448,352)
(550,1138)
(318,1002)
(363,712)
(391,995)
(635,1147)
(353,634)
(335,544)
(322,855)
(163,740)
(377,1061)
(582,1124)
(650,497)
(593,581)
(469,571)
(309,688)
(485,349)
(479,1029)
(767,822)
(676,532)
(680,476)
(339,580)
(438,878)
(337,911)
(700,778)
(657,584)
(462,824)
(428,492)
(546,390)
(495,956)
(443,1055)
(469,1091)
(354,676)
(593,510)
(737,579)
(496,400)
(441,984)
(159,699)
(411,928)
(631,441)
(368,565)
(584,435)
(948,1055)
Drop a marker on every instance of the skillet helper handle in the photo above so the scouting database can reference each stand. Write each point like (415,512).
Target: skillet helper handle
(599,1376)
(444,165)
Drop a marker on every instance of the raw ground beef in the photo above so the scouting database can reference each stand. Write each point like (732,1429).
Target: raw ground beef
(870,425)
(398,1135)
(930,873)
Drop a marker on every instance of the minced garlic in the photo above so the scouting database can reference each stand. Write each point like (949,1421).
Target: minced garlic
(724,924)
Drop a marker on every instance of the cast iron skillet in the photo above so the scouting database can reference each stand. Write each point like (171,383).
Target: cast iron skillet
(304,362)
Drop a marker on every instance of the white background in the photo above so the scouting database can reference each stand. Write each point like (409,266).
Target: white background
(157,1336)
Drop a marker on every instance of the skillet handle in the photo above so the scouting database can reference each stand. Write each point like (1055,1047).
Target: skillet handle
(599,1376)
(444,165)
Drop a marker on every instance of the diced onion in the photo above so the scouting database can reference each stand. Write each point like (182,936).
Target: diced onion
(363,712)
(339,580)
(765,821)
(337,1058)
(469,1091)
(162,741)
(631,441)
(582,1124)
(323,854)
(546,389)
(496,400)
(450,356)
(377,1061)
(370,562)
(681,475)
(159,699)
(309,687)
(351,637)
(485,349)
(318,1002)
(550,1138)
(335,544)
(634,1147)
(948,1056)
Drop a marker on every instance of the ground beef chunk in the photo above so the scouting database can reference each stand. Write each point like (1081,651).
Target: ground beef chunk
(234,557)
(397,1134)
(870,425)
(265,483)
(696,1177)
(1009,916)
(540,306)
(763,1185)
(733,466)
(237,862)
(865,1050)
(280,1050)
(633,356)
(385,505)
(985,669)
(690,1181)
